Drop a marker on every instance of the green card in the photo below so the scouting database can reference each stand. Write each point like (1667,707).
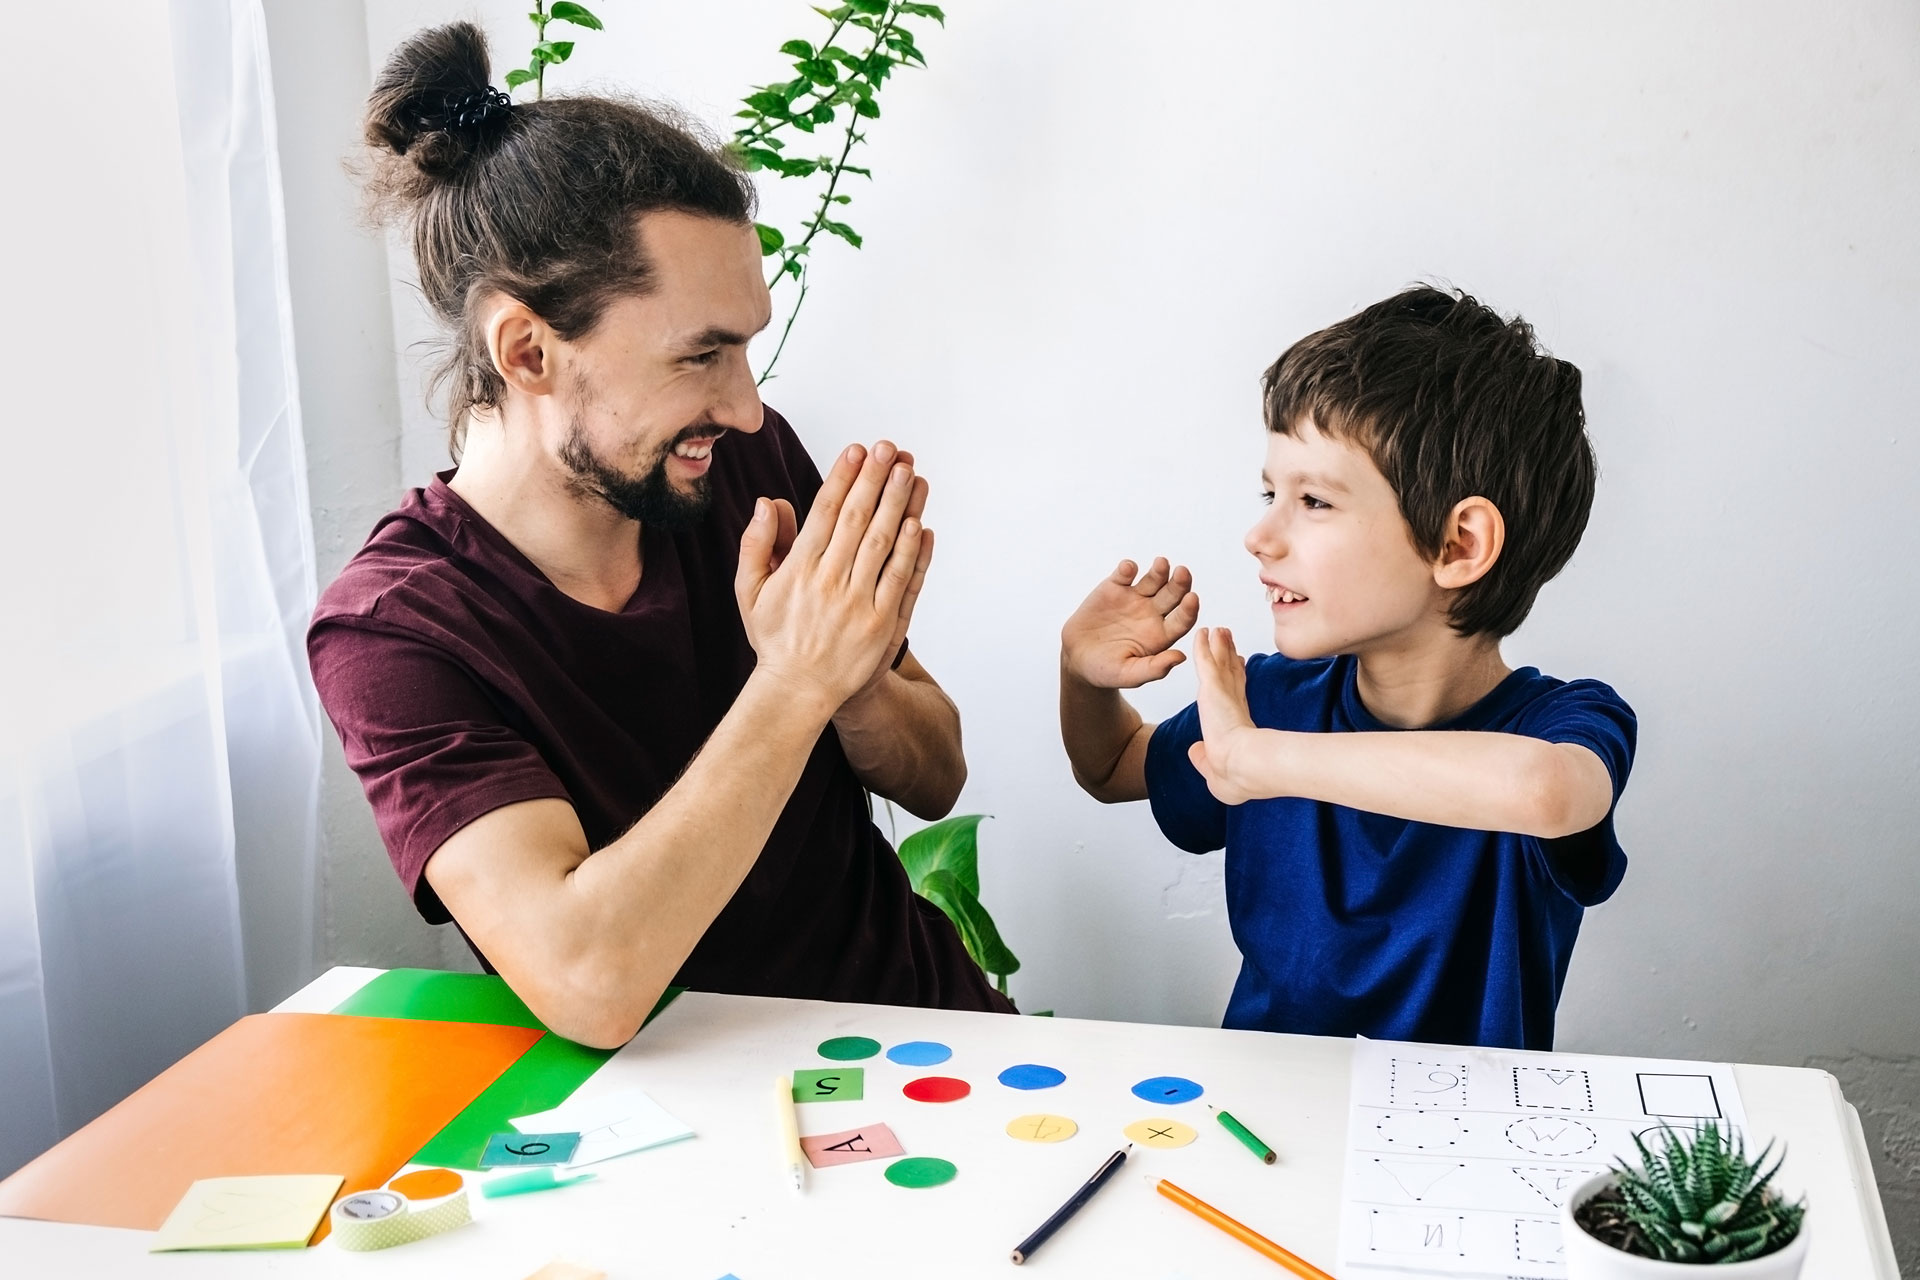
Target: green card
(545,1076)
(836,1084)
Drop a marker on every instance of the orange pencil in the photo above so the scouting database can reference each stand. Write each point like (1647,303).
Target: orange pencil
(1239,1231)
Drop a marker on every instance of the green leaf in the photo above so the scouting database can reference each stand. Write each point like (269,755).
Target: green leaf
(822,114)
(950,845)
(838,54)
(849,200)
(552,52)
(518,77)
(578,15)
(868,6)
(772,239)
(925,11)
(867,107)
(833,15)
(975,926)
(818,70)
(797,49)
(767,102)
(854,168)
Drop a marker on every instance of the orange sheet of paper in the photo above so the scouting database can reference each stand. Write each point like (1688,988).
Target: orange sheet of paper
(273,1093)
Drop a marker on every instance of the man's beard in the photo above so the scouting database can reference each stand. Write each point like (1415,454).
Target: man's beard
(651,498)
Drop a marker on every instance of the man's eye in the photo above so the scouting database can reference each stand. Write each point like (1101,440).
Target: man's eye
(705,357)
(1314,504)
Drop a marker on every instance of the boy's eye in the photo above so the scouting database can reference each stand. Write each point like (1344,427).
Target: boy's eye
(1313,504)
(1266,497)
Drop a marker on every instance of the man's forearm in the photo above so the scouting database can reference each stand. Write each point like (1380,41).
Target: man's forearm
(1105,740)
(902,737)
(1474,780)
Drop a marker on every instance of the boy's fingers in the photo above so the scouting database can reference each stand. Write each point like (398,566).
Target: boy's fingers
(825,513)
(1198,754)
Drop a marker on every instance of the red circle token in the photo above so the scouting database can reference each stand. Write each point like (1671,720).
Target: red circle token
(937,1089)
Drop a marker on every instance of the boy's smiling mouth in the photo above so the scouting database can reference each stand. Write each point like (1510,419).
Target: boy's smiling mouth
(1281,595)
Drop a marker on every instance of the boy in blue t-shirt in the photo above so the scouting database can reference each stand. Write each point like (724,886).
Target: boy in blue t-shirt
(1412,829)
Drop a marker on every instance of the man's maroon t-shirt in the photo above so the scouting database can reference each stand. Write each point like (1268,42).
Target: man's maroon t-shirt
(461,679)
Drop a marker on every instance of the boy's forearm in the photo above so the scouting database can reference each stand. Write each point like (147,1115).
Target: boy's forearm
(1478,781)
(1105,740)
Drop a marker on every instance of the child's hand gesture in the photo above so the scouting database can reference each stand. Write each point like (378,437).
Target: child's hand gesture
(1224,755)
(1122,635)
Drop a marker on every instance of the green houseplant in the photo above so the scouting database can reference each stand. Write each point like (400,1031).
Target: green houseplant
(1695,1199)
(942,862)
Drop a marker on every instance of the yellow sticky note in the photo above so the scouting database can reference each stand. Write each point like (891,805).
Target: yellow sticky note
(273,1212)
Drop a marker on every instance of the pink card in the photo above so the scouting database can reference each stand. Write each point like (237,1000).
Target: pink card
(874,1142)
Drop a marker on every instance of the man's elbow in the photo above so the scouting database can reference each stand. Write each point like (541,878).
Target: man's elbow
(935,801)
(593,1008)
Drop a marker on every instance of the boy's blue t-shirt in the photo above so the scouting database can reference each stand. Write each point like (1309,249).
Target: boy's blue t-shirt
(1353,923)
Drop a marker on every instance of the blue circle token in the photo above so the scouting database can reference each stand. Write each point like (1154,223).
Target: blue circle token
(1167,1089)
(919,1053)
(1031,1075)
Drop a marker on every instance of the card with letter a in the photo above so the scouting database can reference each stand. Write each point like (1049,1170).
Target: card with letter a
(875,1142)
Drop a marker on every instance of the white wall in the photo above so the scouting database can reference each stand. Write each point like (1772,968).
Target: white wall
(1094,223)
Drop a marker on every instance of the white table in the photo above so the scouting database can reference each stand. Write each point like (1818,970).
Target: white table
(719,1204)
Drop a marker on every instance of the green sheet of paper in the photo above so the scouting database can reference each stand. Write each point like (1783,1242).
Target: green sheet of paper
(272,1212)
(545,1076)
(836,1084)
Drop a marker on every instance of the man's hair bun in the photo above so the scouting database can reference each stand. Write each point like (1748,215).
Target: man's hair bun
(432,104)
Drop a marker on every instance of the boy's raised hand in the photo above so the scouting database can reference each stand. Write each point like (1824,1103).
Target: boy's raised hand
(1123,633)
(1228,736)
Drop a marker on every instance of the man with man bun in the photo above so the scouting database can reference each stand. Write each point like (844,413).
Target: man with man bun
(618,685)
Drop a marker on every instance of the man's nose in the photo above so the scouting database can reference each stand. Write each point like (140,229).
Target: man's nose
(738,405)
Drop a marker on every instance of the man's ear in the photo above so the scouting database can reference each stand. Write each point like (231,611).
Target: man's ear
(521,346)
(1475,533)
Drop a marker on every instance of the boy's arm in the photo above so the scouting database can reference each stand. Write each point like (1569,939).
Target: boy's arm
(1120,637)
(1477,781)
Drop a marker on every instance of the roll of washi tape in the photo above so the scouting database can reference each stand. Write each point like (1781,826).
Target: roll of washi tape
(369,1220)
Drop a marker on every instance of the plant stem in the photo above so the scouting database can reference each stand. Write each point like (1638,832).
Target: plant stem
(539,38)
(826,197)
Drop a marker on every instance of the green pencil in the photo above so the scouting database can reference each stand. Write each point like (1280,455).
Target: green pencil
(1246,1137)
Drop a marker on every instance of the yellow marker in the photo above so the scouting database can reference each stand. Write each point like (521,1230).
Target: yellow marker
(1042,1128)
(790,1133)
(1164,1134)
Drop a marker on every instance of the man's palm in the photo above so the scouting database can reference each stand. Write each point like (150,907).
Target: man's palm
(1122,634)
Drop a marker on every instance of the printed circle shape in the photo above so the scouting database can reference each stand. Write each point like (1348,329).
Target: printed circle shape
(849,1048)
(1041,1127)
(1551,1136)
(1167,1090)
(921,1171)
(937,1089)
(1031,1075)
(1161,1133)
(919,1053)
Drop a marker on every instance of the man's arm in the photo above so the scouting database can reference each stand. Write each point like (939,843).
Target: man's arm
(1120,637)
(590,942)
(1477,781)
(902,737)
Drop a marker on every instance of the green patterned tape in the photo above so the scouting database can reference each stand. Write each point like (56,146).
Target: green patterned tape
(382,1219)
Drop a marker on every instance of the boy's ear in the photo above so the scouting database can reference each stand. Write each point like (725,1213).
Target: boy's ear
(1475,533)
(521,346)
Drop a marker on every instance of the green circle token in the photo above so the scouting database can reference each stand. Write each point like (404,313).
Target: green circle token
(849,1048)
(920,1171)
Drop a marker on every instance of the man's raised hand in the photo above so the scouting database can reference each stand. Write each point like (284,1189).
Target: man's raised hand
(825,608)
(1123,633)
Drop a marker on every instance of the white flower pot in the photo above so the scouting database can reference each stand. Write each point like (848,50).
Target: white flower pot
(1589,1259)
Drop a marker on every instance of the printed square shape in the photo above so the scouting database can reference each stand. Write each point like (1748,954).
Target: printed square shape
(835,1084)
(1552,1089)
(1690,1097)
(875,1142)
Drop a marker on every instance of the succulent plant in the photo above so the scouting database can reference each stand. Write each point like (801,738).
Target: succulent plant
(1698,1198)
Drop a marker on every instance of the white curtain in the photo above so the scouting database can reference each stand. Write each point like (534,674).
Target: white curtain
(159,736)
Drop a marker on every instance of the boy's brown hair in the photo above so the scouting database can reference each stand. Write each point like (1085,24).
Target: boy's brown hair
(1452,402)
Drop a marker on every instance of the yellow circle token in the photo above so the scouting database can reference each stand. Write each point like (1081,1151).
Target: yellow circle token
(1042,1128)
(1164,1134)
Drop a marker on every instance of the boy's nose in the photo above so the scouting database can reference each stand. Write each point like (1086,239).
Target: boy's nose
(1264,540)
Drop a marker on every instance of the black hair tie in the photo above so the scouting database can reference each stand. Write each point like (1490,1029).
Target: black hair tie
(469,113)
